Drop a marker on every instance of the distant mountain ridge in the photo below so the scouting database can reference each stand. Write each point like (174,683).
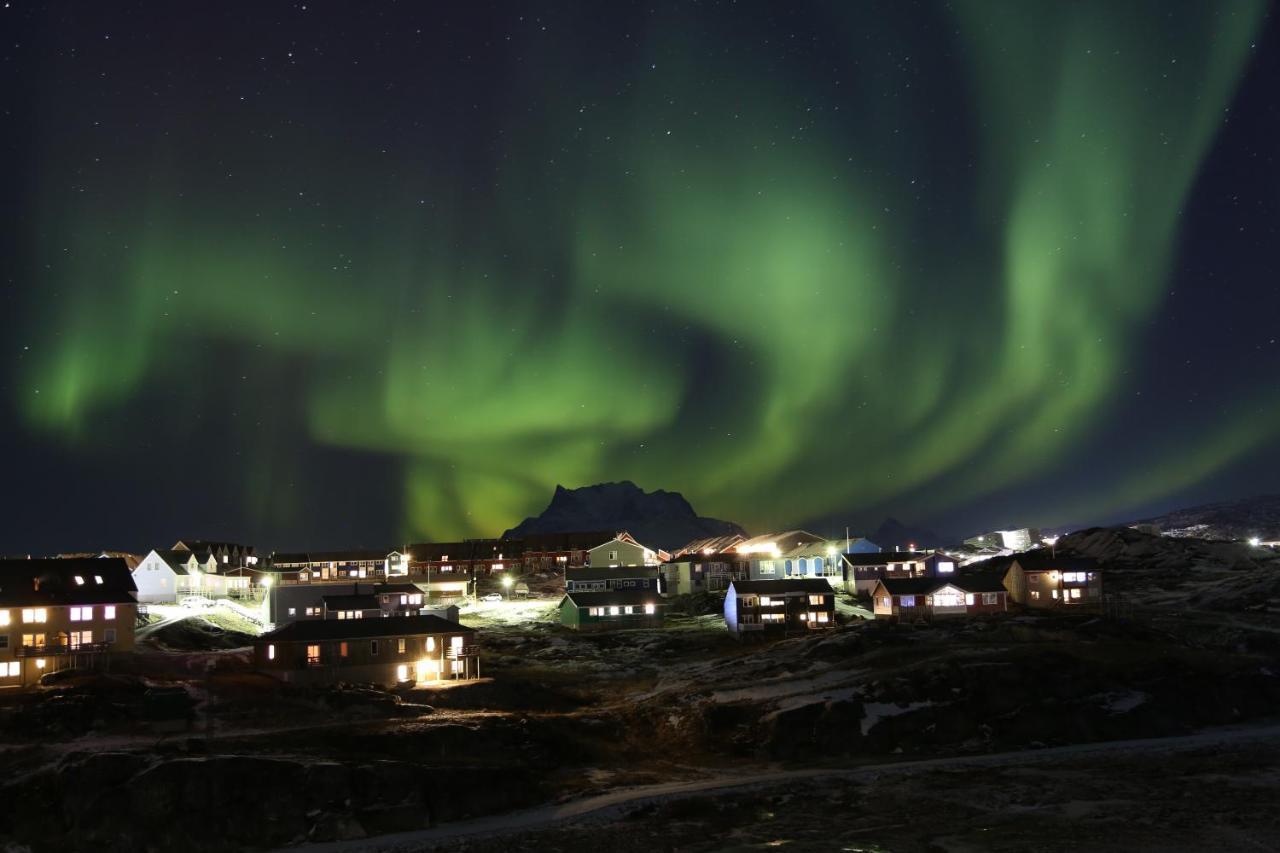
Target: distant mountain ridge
(659,519)
(1236,519)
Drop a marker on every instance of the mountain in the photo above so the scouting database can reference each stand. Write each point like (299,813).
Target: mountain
(1239,519)
(658,519)
(893,534)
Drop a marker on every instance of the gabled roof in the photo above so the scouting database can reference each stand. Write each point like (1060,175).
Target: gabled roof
(396,589)
(883,558)
(578,540)
(1044,560)
(350,556)
(196,545)
(614,597)
(709,545)
(52,582)
(597,573)
(177,560)
(780,586)
(313,630)
(350,602)
(927,586)
(788,543)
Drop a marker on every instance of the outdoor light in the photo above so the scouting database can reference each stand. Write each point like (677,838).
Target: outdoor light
(506,581)
(1254,541)
(266,581)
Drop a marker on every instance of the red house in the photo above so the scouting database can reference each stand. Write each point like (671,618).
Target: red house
(909,599)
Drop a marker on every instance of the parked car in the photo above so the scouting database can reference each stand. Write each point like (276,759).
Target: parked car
(493,596)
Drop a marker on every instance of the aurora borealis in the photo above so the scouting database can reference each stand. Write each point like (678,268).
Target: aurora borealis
(321,276)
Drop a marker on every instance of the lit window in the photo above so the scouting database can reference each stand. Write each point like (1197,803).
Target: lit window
(400,643)
(765,601)
(613,611)
(650,609)
(39,663)
(907,601)
(313,654)
(4,617)
(431,644)
(402,672)
(293,611)
(946,568)
(1035,594)
(1075,593)
(991,598)
(109,612)
(15,668)
(815,600)
(1054,593)
(342,649)
(36,614)
(271,652)
(79,581)
(968,598)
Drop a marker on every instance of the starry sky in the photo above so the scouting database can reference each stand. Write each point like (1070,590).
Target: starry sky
(325,274)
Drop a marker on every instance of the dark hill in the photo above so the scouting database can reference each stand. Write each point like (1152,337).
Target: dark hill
(658,519)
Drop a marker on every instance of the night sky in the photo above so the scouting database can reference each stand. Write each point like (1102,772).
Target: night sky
(314,275)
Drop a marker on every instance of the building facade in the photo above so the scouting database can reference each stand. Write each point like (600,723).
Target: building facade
(766,607)
(59,614)
(861,571)
(588,579)
(911,599)
(1039,579)
(612,610)
(421,649)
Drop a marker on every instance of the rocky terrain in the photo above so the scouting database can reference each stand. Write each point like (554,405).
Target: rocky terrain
(1229,520)
(658,519)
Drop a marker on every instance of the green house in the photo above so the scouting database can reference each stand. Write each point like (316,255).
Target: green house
(612,610)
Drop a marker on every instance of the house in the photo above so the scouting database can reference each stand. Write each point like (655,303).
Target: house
(911,598)
(1009,540)
(227,554)
(779,606)
(469,557)
(163,577)
(860,545)
(792,554)
(550,552)
(612,610)
(58,614)
(622,550)
(703,572)
(418,649)
(337,566)
(1041,579)
(588,579)
(863,570)
(350,606)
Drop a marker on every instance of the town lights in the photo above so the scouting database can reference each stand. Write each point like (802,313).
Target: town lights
(1254,541)
(506,584)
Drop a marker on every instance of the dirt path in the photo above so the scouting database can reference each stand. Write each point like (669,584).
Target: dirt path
(613,803)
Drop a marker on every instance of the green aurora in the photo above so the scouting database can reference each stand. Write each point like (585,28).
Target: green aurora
(779,291)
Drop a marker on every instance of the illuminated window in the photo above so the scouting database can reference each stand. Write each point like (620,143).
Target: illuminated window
(400,644)
(35,614)
(293,611)
(39,663)
(82,614)
(815,599)
(1035,594)
(1075,593)
(342,614)
(313,654)
(1054,593)
(97,579)
(991,598)
(431,644)
(109,612)
(766,601)
(402,672)
(33,640)
(823,616)
(968,598)
(946,568)
(81,638)
(79,581)
(4,617)
(271,652)
(613,611)
(14,669)
(907,601)
(650,609)
(342,649)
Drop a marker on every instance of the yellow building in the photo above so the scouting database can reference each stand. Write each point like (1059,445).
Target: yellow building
(58,614)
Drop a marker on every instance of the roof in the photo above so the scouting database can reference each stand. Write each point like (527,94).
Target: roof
(177,560)
(387,588)
(581,540)
(616,596)
(195,545)
(352,556)
(308,630)
(781,586)
(1044,560)
(883,558)
(595,573)
(925,586)
(709,545)
(350,602)
(52,582)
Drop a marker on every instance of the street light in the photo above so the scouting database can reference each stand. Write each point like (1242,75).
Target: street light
(506,585)
(1254,541)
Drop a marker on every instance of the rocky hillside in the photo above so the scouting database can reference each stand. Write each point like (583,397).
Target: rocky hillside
(1183,572)
(659,519)
(1238,519)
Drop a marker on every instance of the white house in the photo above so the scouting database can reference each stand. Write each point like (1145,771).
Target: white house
(793,554)
(164,576)
(622,550)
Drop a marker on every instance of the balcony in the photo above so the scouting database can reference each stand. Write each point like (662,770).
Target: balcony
(465,652)
(54,650)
